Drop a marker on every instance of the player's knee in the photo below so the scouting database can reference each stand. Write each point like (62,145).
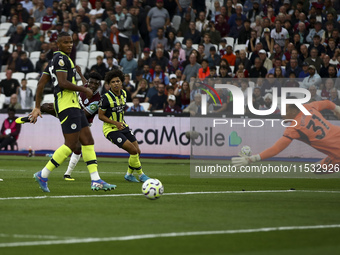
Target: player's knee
(133,150)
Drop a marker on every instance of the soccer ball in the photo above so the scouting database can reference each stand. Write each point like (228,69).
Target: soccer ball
(152,189)
(245,151)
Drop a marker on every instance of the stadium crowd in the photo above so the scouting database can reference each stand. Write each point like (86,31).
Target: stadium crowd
(168,48)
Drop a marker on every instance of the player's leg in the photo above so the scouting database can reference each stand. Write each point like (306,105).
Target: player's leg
(90,158)
(132,147)
(76,155)
(71,126)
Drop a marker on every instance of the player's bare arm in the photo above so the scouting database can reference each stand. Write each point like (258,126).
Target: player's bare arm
(102,117)
(83,79)
(65,84)
(44,79)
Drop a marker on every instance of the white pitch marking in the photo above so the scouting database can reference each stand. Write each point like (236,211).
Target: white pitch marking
(162,235)
(34,236)
(175,194)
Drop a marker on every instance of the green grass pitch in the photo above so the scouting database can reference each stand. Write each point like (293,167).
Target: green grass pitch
(72,219)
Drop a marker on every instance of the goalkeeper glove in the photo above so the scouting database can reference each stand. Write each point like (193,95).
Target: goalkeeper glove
(245,160)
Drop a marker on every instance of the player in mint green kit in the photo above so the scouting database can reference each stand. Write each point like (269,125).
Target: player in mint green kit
(111,112)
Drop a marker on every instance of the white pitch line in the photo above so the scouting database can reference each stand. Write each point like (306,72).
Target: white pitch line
(34,236)
(175,194)
(162,235)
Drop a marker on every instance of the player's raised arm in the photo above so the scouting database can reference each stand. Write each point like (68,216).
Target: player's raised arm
(44,79)
(279,146)
(83,79)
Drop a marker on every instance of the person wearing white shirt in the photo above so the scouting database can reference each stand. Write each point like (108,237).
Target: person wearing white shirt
(28,5)
(98,12)
(313,78)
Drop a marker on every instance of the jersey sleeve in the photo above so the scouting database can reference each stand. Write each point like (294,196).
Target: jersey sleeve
(46,71)
(104,103)
(322,105)
(279,146)
(61,64)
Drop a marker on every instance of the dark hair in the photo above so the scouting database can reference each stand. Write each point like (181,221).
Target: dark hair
(95,75)
(113,74)
(61,34)
(11,109)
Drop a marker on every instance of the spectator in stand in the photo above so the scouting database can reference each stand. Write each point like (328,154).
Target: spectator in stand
(30,43)
(146,57)
(158,73)
(25,96)
(159,39)
(39,12)
(214,34)
(128,64)
(58,29)
(314,97)
(214,59)
(22,13)
(317,30)
(258,70)
(223,47)
(83,34)
(40,63)
(9,86)
(312,79)
(99,67)
(257,98)
(194,107)
(302,31)
(14,103)
(136,107)
(268,104)
(332,72)
(183,92)
(334,96)
(188,48)
(172,40)
(48,20)
(158,101)
(192,34)
(293,68)
(304,73)
(97,11)
(256,11)
(182,55)
(327,88)
(332,51)
(125,26)
(141,91)
(242,60)
(24,64)
(127,84)
(245,33)
(251,43)
(174,65)
(157,17)
(191,70)
(18,36)
(77,44)
(12,62)
(201,23)
(10,130)
(204,71)
(5,54)
(317,45)
(235,30)
(172,107)
(314,59)
(266,62)
(207,45)
(201,51)
(324,68)
(279,35)
(103,43)
(184,26)
(237,14)
(278,54)
(161,60)
(230,56)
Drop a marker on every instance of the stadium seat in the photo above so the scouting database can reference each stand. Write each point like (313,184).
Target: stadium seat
(2,32)
(32,76)
(34,61)
(37,24)
(216,47)
(48,98)
(129,104)
(93,47)
(145,105)
(94,54)
(32,84)
(35,54)
(2,75)
(86,47)
(180,39)
(176,22)
(4,39)
(18,75)
(91,63)
(195,46)
(251,84)
(24,24)
(230,40)
(3,19)
(217,69)
(249,56)
(240,47)
(5,25)
(2,100)
(116,48)
(318,92)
